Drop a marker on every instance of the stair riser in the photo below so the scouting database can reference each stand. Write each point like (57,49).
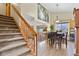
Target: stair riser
(10,31)
(3,17)
(8,20)
(13,42)
(5,27)
(10,42)
(9,23)
(13,46)
(2,44)
(11,39)
(25,54)
(4,53)
(10,36)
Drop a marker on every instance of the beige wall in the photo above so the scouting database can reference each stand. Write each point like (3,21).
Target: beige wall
(2,9)
(28,9)
(64,17)
(13,13)
(31,9)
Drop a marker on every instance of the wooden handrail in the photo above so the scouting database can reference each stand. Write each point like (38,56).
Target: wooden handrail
(23,19)
(25,25)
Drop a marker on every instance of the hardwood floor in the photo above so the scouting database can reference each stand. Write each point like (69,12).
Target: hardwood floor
(45,50)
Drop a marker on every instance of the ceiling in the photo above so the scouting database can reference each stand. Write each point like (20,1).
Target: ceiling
(62,7)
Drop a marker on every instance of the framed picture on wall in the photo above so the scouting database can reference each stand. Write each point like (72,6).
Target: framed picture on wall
(42,13)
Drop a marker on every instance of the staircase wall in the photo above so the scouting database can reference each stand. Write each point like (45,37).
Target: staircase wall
(13,13)
(3,8)
(29,9)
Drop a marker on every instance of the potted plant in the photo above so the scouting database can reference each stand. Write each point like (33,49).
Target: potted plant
(51,28)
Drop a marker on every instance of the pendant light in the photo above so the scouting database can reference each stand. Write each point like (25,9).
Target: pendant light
(57,20)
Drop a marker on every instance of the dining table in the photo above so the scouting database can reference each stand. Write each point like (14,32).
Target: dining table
(55,38)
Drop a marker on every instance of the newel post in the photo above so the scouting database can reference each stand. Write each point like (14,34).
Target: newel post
(8,9)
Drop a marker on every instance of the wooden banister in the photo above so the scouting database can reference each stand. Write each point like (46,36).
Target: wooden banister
(25,25)
(7,9)
(23,19)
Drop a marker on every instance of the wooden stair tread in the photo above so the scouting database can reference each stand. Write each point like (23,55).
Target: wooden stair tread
(11,20)
(17,38)
(9,33)
(18,52)
(7,25)
(26,54)
(5,22)
(5,16)
(10,46)
(7,19)
(8,29)
(11,39)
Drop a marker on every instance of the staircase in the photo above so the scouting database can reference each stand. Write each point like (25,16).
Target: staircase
(11,40)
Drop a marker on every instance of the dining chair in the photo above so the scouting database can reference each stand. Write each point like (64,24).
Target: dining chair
(58,41)
(65,39)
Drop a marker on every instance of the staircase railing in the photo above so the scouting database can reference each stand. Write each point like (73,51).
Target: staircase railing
(27,31)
